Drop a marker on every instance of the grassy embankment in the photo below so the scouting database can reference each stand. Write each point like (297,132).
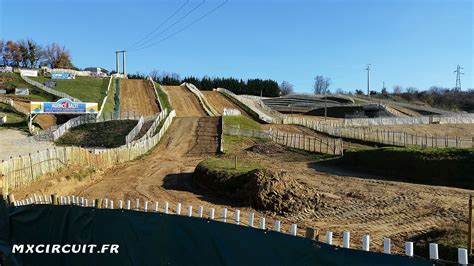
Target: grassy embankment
(87,89)
(108,134)
(13,80)
(163,97)
(230,142)
(15,120)
(434,166)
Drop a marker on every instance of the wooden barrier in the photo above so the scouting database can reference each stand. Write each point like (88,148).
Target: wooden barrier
(23,170)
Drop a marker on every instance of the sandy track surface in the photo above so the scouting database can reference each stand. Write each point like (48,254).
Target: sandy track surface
(459,130)
(14,143)
(220,101)
(184,102)
(137,95)
(45,121)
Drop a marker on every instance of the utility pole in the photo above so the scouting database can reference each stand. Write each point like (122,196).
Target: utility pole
(458,77)
(117,66)
(124,63)
(117,62)
(368,80)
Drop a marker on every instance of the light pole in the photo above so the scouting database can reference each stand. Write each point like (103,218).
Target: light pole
(368,80)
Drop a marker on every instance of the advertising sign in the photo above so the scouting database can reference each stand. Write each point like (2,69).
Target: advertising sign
(2,91)
(22,92)
(29,73)
(59,75)
(6,69)
(63,106)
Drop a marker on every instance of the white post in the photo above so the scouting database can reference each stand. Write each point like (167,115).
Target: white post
(45,199)
(409,249)
(178,209)
(82,201)
(329,237)
(111,204)
(224,215)
(211,214)
(156,206)
(434,251)
(294,229)
(251,218)
(93,203)
(27,201)
(200,211)
(386,245)
(60,199)
(366,243)
(36,198)
(120,204)
(237,216)
(137,204)
(166,207)
(145,206)
(85,202)
(262,223)
(462,256)
(346,239)
(128,204)
(73,200)
(277,226)
(190,211)
(106,203)
(69,200)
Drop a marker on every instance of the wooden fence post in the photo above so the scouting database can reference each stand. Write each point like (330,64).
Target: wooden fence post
(470,226)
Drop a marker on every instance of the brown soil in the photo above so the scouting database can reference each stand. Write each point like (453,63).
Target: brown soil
(184,102)
(137,95)
(219,102)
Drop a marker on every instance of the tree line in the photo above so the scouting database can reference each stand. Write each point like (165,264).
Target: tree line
(264,87)
(30,54)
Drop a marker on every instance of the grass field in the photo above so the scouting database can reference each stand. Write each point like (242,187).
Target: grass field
(13,80)
(108,134)
(163,98)
(110,103)
(241,121)
(84,88)
(434,166)
(227,166)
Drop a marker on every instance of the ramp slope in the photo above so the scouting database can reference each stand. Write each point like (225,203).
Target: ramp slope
(137,95)
(219,102)
(184,102)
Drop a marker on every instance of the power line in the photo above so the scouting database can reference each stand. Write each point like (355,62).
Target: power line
(161,25)
(458,77)
(185,27)
(140,47)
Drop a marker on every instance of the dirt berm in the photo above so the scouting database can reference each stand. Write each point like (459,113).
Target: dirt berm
(262,189)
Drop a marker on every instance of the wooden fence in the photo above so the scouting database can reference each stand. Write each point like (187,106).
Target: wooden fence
(372,134)
(23,170)
(49,90)
(15,106)
(239,218)
(135,130)
(308,143)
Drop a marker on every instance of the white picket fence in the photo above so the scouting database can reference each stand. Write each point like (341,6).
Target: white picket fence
(202,100)
(153,126)
(134,132)
(105,98)
(23,170)
(160,105)
(226,215)
(49,90)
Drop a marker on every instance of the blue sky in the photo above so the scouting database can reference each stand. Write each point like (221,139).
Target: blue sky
(409,43)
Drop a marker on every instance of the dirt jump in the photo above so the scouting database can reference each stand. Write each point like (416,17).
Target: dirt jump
(184,102)
(220,101)
(137,95)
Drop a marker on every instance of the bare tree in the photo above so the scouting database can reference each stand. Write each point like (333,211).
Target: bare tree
(286,88)
(397,89)
(340,91)
(11,54)
(321,84)
(58,56)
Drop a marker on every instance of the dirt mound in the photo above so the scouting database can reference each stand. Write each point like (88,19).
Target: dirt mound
(266,190)
(266,148)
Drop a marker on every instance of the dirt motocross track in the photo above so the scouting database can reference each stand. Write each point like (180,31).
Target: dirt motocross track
(360,205)
(220,101)
(137,95)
